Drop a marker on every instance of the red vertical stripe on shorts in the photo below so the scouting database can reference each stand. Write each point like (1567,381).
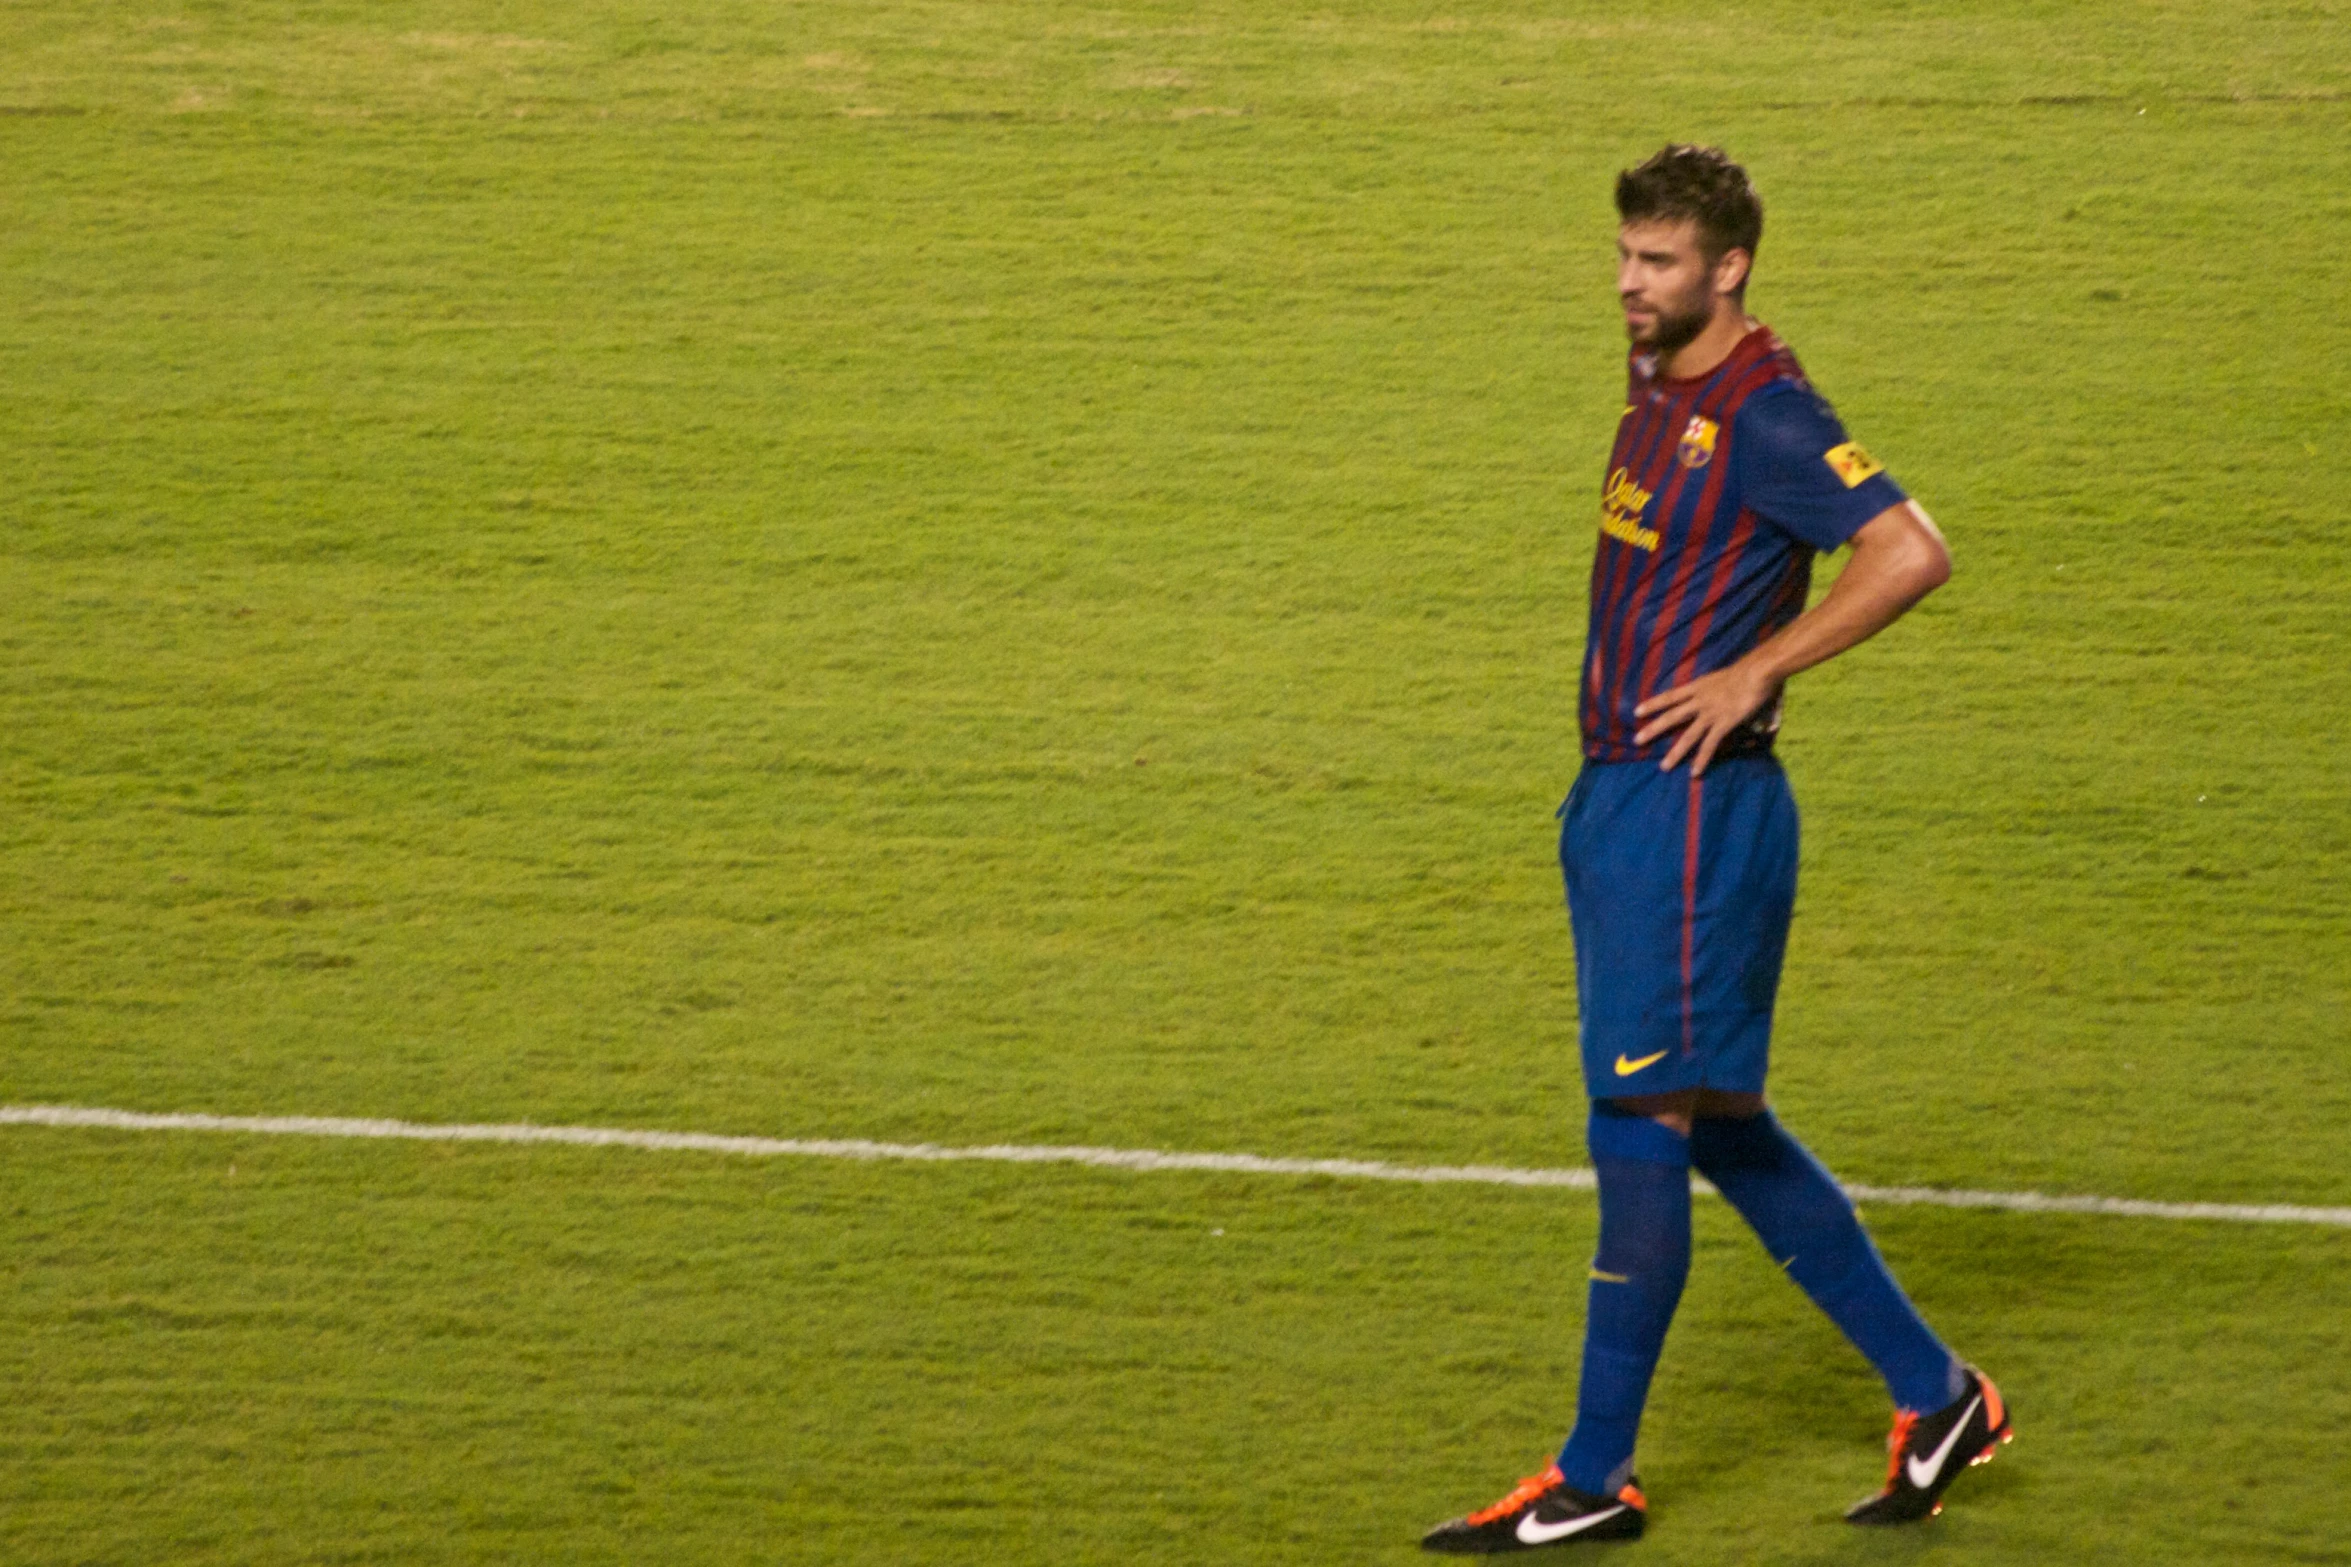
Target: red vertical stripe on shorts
(1690,917)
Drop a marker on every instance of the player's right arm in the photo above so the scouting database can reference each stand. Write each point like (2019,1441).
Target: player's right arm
(1898,558)
(1810,480)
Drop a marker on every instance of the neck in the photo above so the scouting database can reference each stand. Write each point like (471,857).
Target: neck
(1711,347)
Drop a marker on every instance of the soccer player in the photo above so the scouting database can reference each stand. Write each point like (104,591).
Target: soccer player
(1678,842)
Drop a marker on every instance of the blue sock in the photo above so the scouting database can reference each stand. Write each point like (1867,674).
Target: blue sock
(1809,1226)
(1637,1279)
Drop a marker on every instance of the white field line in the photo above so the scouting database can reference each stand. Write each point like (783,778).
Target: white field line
(1104,1158)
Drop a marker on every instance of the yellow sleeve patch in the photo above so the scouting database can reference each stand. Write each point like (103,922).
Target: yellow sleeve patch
(1851,464)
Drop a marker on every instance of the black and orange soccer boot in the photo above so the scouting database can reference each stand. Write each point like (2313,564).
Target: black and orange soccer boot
(1544,1510)
(1927,1453)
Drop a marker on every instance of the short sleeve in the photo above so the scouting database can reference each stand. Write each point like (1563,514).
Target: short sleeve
(1801,472)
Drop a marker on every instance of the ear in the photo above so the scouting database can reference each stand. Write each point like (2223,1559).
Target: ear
(1730,272)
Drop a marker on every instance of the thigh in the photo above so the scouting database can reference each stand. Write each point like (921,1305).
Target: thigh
(1621,849)
(1743,897)
(1681,1109)
(1679,891)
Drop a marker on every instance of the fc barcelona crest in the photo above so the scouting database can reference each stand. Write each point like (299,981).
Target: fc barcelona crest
(1697,448)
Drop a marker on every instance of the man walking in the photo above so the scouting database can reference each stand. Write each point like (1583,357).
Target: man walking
(1678,843)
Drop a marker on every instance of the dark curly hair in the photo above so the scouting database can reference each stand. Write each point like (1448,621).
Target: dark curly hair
(1701,184)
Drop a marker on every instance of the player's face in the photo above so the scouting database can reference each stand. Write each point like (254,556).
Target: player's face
(1667,287)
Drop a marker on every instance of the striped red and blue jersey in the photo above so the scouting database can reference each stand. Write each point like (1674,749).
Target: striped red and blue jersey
(1720,490)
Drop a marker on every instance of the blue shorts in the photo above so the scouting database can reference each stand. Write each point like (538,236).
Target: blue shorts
(1680,891)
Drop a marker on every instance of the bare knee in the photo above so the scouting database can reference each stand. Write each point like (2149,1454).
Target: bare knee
(1683,1107)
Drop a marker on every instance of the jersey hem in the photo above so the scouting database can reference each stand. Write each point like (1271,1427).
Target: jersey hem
(1656,751)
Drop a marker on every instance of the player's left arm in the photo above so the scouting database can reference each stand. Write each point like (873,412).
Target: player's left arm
(1898,558)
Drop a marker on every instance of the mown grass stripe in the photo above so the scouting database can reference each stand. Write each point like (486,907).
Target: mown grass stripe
(1141,1159)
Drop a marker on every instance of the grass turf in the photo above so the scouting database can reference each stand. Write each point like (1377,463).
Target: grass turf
(1014,573)
(250,1349)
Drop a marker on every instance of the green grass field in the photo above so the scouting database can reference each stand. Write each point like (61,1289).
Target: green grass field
(1014,573)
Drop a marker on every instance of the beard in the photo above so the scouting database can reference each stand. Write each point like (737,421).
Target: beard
(1679,321)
